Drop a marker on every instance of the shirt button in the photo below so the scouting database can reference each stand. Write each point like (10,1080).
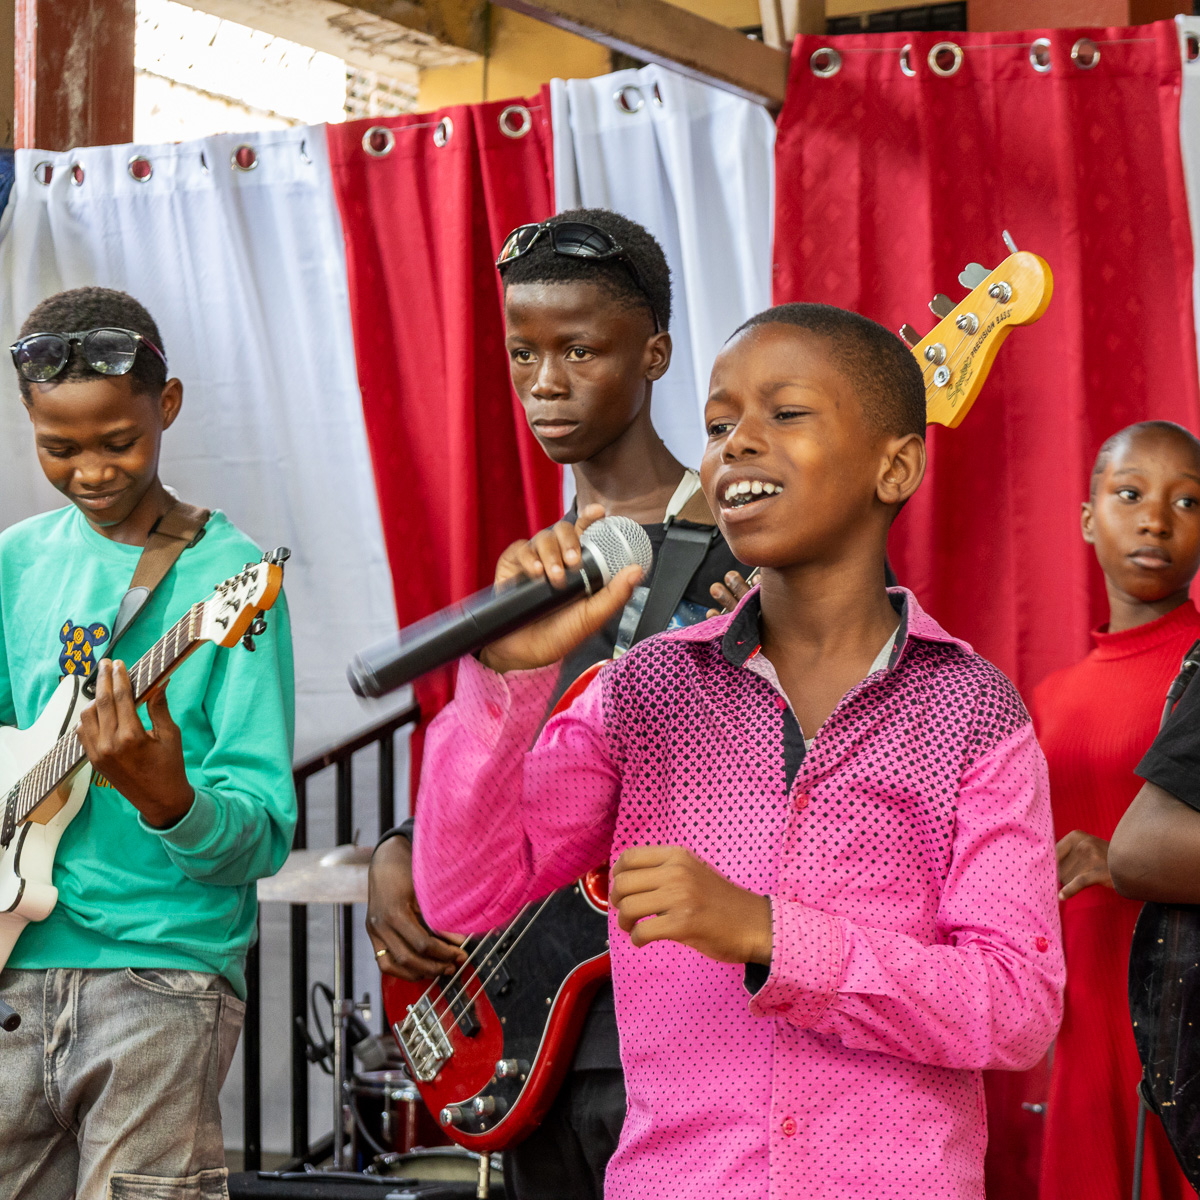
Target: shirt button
(788,1126)
(802,801)
(1042,944)
(493,710)
(780,703)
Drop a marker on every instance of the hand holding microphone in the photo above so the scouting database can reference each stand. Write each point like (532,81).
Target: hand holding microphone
(552,554)
(531,618)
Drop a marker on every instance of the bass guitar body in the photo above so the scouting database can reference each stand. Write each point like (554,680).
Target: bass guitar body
(27,849)
(489,1047)
(1164,1002)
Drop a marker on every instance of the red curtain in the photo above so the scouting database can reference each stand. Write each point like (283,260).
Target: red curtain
(458,474)
(887,185)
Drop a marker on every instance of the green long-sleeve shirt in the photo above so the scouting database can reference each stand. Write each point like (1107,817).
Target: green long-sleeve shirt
(130,895)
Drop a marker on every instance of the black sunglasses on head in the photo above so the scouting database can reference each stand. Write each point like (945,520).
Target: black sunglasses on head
(109,350)
(574,239)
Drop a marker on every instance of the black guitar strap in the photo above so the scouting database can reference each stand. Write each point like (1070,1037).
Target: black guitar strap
(683,550)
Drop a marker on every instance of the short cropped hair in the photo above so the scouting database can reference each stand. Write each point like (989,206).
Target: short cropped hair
(884,371)
(92,308)
(1105,453)
(542,265)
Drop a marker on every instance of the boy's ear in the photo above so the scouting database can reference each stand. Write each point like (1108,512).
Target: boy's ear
(903,469)
(171,401)
(658,356)
(1087,522)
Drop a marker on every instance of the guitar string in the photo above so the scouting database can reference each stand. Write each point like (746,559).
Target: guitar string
(48,774)
(52,774)
(498,936)
(454,1025)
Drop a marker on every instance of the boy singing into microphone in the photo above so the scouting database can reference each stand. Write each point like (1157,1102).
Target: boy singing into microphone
(833,897)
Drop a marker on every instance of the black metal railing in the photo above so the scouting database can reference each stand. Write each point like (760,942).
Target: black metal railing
(341,759)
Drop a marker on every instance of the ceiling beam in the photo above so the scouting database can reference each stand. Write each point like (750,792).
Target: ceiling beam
(658,32)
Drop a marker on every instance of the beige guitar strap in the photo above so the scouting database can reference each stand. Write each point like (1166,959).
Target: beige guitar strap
(178,528)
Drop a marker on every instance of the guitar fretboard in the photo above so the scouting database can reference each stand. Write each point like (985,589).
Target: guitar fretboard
(50,771)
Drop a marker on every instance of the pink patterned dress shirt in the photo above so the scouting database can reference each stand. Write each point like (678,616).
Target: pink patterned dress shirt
(909,859)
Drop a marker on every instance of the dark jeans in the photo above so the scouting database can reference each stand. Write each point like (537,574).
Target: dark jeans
(564,1158)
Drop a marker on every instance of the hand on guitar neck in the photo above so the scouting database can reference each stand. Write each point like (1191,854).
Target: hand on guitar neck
(144,765)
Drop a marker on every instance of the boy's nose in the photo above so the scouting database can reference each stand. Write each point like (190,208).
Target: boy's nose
(549,381)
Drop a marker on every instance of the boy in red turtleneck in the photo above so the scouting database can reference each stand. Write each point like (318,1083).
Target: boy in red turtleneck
(1095,720)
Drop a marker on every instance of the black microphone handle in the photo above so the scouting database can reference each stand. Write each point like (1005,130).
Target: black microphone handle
(464,628)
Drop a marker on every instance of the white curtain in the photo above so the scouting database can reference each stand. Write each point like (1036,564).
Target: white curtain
(695,166)
(244,272)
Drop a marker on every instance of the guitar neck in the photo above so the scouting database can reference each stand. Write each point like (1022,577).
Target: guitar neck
(150,670)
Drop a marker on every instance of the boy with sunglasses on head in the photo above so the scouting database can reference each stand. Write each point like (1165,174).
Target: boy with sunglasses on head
(587,305)
(131,990)
(833,892)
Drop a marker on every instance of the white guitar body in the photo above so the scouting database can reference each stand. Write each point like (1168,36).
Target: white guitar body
(27,863)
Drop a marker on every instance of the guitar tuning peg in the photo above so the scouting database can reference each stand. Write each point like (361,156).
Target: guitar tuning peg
(908,335)
(972,275)
(1012,246)
(941,305)
(248,641)
(258,626)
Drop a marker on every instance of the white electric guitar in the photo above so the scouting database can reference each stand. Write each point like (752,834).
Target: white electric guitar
(44,773)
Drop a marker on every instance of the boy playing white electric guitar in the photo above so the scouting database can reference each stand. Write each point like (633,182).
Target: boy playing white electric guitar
(131,989)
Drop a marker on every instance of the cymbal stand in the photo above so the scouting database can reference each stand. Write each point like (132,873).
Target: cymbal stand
(343,1007)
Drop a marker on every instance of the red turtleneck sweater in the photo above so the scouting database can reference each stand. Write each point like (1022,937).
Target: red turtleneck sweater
(1095,721)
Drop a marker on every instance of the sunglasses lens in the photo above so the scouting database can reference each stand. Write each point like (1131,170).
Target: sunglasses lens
(582,241)
(41,357)
(517,243)
(110,351)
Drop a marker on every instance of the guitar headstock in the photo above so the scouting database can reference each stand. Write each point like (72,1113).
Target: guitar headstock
(956,356)
(233,612)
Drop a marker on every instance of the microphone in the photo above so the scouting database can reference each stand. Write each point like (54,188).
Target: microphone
(608,546)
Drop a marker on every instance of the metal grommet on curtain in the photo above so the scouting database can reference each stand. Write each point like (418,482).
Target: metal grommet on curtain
(140,168)
(378,141)
(825,62)
(244,158)
(443,132)
(77,174)
(203,162)
(906,60)
(43,172)
(1191,48)
(515,121)
(1085,54)
(305,157)
(629,99)
(945,58)
(1039,55)
(656,95)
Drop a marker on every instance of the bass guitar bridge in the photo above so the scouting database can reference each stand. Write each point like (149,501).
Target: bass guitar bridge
(423,1039)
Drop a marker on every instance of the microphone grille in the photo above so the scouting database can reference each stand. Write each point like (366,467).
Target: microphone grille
(618,542)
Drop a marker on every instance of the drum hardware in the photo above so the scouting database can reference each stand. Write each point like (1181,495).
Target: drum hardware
(339,877)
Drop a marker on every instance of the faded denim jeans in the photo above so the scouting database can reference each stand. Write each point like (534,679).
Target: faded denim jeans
(108,1090)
